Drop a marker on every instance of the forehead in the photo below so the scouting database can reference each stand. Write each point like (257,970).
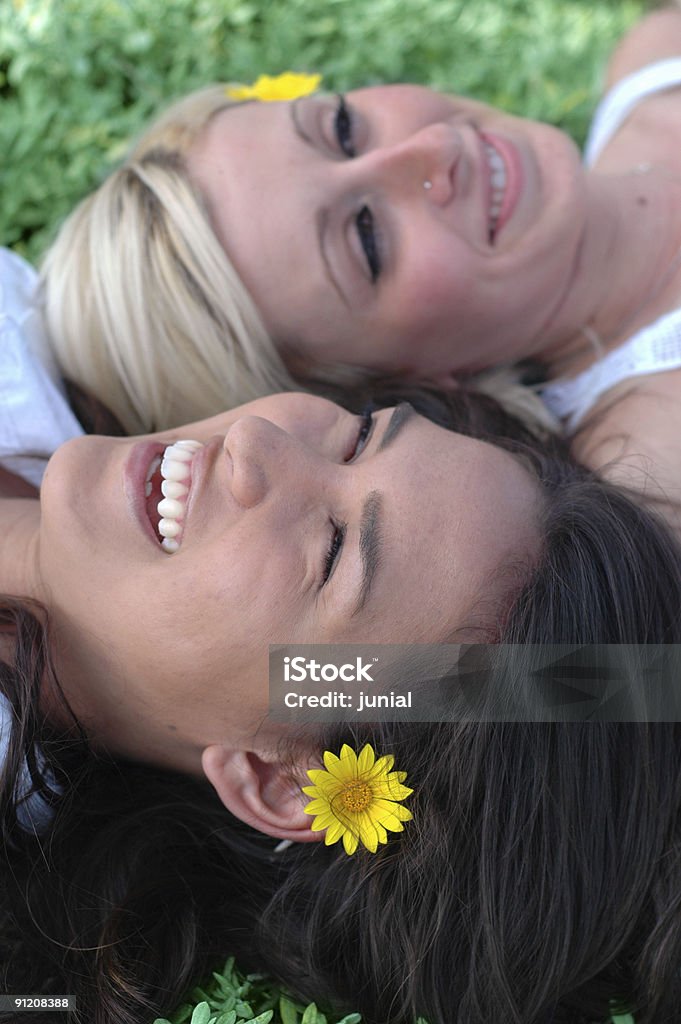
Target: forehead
(252,171)
(459,513)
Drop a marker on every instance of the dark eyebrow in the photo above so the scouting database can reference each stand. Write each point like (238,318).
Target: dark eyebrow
(369,546)
(402,413)
(370,522)
(322,216)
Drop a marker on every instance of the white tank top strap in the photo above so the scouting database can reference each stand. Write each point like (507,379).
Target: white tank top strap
(617,104)
(655,348)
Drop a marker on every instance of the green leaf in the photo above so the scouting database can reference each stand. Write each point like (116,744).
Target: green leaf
(355,1018)
(287,1011)
(201,1014)
(311,1015)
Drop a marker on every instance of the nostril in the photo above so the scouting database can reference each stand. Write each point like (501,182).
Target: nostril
(247,447)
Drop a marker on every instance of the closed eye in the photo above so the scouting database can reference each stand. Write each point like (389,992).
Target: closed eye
(333,553)
(338,530)
(365,429)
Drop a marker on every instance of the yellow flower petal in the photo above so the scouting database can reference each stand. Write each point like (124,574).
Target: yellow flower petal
(275,88)
(396,791)
(390,807)
(316,806)
(365,761)
(381,832)
(369,836)
(334,832)
(350,842)
(322,821)
(343,768)
(349,757)
(384,764)
(388,791)
(334,766)
(322,779)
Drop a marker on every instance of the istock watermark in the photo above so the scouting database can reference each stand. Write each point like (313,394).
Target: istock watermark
(477,683)
(300,670)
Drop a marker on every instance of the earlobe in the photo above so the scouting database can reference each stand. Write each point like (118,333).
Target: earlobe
(260,792)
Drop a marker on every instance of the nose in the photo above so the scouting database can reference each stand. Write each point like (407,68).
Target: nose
(424,163)
(266,459)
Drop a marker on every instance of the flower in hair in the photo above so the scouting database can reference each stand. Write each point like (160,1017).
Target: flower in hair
(288,86)
(356,798)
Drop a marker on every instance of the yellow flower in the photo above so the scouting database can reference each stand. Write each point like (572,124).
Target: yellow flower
(287,86)
(356,798)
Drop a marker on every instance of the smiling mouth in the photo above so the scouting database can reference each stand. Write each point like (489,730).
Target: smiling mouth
(497,179)
(166,489)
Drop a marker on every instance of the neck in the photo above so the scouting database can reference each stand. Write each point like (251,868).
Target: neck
(19,525)
(629,269)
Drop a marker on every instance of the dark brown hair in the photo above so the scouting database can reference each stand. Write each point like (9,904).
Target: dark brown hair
(539,880)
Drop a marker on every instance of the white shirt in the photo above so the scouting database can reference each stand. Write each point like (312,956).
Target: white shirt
(35,417)
(657,346)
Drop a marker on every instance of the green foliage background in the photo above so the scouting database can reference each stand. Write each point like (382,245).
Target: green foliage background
(78,78)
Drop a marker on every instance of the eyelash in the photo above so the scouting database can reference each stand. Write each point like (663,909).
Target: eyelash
(364,221)
(339,529)
(366,230)
(343,124)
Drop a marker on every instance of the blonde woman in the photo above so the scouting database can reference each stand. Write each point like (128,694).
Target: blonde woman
(396,231)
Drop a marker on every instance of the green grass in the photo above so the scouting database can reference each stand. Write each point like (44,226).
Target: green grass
(78,78)
(230,997)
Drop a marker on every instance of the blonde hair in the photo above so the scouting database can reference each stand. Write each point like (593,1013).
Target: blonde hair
(143,308)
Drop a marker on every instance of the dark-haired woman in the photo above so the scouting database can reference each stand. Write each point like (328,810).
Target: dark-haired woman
(145,790)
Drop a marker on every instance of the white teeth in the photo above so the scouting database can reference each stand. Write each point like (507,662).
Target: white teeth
(169,528)
(178,454)
(153,466)
(192,446)
(170,508)
(497,178)
(173,469)
(173,489)
(176,473)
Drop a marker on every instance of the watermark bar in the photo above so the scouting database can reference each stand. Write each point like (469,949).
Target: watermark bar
(21,1003)
(475,682)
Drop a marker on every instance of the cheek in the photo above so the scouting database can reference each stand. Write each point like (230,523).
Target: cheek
(441,294)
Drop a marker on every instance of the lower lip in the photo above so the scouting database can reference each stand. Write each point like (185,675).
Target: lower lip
(514,178)
(134,479)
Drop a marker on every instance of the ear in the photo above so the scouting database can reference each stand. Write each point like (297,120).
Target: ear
(259,792)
